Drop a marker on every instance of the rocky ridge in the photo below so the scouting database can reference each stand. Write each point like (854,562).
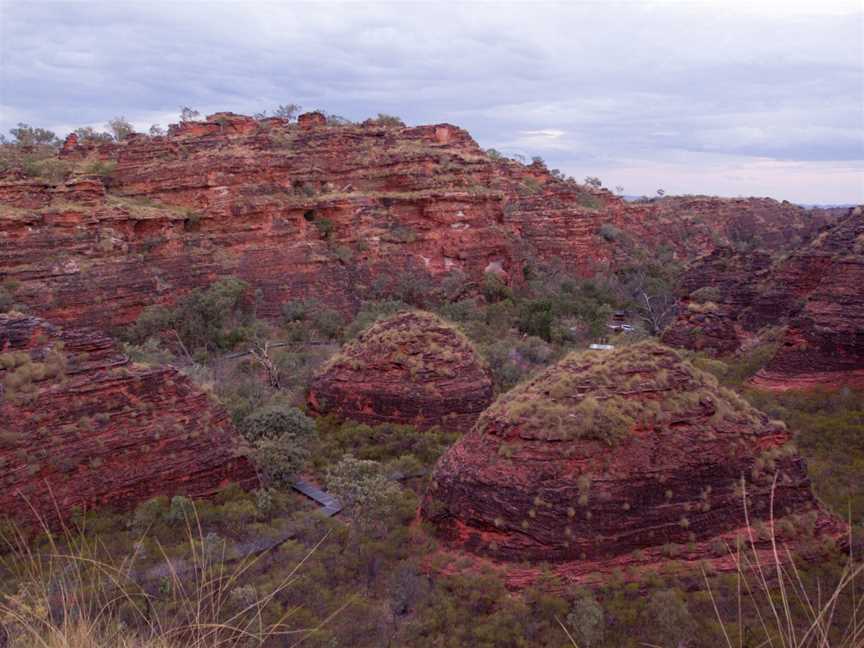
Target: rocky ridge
(318,210)
(83,427)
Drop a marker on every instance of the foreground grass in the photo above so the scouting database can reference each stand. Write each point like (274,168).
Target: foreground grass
(72,593)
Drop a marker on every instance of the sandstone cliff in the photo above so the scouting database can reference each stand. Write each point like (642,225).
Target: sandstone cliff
(624,459)
(814,290)
(83,427)
(411,368)
(312,210)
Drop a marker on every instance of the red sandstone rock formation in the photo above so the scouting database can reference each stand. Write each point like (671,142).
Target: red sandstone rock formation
(411,368)
(314,210)
(815,290)
(83,427)
(610,459)
(824,341)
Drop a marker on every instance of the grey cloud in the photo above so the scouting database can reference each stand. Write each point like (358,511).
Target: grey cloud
(619,81)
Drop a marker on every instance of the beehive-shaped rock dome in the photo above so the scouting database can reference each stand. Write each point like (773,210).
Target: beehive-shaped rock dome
(81,427)
(411,368)
(613,452)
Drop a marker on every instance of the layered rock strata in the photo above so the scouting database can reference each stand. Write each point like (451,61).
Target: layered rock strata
(814,291)
(315,210)
(82,427)
(412,368)
(624,458)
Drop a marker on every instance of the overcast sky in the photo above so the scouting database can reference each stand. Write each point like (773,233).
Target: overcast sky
(694,97)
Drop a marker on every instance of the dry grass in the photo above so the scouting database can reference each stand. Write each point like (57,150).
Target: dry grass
(789,613)
(75,594)
(603,395)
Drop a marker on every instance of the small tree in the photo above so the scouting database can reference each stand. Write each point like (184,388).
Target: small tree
(91,136)
(383,119)
(156,131)
(668,614)
(586,621)
(287,111)
(655,299)
(25,135)
(187,114)
(593,181)
(121,128)
(661,192)
(281,438)
(366,493)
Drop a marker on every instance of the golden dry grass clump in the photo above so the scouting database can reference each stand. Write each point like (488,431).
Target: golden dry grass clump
(604,395)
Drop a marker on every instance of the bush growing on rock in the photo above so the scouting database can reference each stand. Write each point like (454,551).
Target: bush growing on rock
(610,232)
(120,128)
(88,135)
(384,119)
(26,135)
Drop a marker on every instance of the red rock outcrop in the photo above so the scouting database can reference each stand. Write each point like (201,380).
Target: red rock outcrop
(622,458)
(814,290)
(315,210)
(82,427)
(412,368)
(824,341)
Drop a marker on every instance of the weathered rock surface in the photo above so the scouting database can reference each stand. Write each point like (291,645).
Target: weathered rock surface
(315,210)
(411,368)
(815,291)
(83,427)
(624,459)
(824,341)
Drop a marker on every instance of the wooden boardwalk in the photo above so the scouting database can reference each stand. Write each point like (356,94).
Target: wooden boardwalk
(330,506)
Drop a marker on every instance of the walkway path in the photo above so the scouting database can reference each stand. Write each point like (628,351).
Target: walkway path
(330,506)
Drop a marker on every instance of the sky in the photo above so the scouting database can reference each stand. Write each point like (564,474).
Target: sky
(733,97)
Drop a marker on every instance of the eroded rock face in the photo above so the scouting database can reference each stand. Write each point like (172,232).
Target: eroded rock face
(824,341)
(83,427)
(814,291)
(411,368)
(604,460)
(316,211)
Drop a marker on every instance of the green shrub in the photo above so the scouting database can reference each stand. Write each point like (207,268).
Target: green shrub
(494,288)
(206,318)
(325,227)
(281,438)
(182,509)
(386,120)
(101,168)
(6,300)
(706,294)
(610,232)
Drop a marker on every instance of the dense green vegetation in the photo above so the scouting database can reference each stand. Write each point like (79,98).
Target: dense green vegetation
(363,577)
(272,560)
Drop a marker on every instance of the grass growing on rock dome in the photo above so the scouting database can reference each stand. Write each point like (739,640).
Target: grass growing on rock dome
(606,395)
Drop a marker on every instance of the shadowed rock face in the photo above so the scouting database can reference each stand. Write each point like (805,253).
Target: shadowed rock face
(316,211)
(83,427)
(411,368)
(815,292)
(608,454)
(824,341)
